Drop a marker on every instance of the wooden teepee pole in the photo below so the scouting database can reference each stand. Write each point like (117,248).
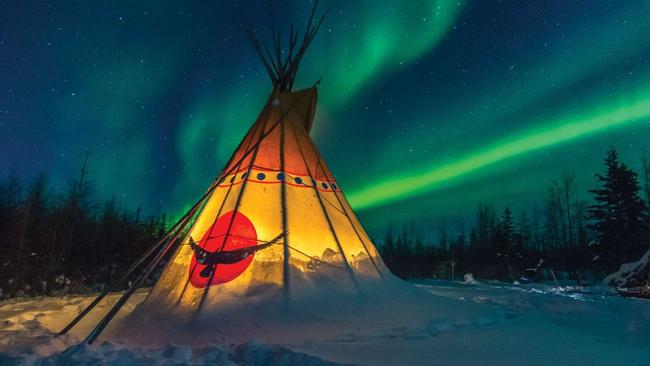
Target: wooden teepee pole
(152,265)
(240,195)
(326,215)
(286,275)
(132,269)
(282,71)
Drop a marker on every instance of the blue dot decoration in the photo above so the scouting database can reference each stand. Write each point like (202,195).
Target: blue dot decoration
(298,180)
(243,176)
(333,186)
(324,185)
(280,176)
(261,176)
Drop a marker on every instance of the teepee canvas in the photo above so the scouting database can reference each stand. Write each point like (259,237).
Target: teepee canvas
(278,212)
(273,223)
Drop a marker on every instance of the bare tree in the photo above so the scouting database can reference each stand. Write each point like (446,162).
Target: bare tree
(568,188)
(75,209)
(553,213)
(536,229)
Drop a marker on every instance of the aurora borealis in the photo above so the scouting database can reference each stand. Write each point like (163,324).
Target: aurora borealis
(567,129)
(426,107)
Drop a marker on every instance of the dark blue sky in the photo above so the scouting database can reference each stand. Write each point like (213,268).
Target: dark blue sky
(426,107)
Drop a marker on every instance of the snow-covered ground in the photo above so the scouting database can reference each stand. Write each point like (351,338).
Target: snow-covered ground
(452,324)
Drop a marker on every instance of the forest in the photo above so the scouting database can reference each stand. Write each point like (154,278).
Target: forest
(58,242)
(66,241)
(581,240)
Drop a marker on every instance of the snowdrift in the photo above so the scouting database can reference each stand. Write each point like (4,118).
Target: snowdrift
(631,274)
(317,309)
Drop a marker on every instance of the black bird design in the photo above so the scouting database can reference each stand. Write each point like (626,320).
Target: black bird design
(211,259)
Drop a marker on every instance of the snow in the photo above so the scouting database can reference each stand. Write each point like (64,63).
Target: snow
(428,323)
(631,274)
(469,279)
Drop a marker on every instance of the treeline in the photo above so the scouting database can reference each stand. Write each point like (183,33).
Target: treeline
(575,238)
(54,242)
(66,241)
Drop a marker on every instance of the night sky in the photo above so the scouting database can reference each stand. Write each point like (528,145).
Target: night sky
(426,107)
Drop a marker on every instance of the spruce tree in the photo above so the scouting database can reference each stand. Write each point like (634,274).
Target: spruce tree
(619,217)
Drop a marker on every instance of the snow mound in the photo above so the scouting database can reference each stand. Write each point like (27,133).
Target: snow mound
(108,353)
(313,313)
(469,279)
(631,274)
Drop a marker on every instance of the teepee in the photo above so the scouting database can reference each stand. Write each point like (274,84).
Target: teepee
(274,221)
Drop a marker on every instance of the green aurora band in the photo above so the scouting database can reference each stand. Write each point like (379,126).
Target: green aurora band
(413,183)
(457,94)
(380,43)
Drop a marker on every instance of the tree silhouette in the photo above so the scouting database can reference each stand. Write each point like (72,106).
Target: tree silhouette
(619,216)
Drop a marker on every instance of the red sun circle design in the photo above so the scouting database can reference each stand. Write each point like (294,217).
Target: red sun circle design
(242,234)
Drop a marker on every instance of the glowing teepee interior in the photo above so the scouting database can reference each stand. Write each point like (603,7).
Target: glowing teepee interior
(274,220)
